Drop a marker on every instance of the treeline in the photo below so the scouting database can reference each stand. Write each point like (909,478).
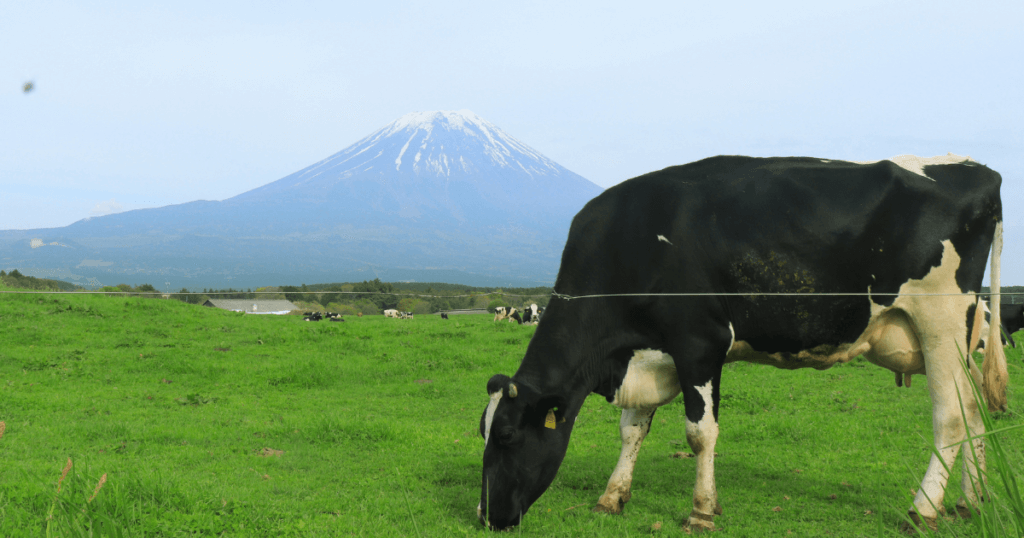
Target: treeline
(374,296)
(15,279)
(1009,294)
(367,297)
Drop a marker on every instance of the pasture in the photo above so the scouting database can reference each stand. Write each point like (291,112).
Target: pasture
(212,423)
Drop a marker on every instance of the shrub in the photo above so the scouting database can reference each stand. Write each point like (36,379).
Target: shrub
(491,306)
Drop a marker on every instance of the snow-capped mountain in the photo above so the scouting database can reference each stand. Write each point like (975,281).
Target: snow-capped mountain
(447,168)
(431,196)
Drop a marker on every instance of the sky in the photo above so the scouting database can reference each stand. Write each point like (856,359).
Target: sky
(138,105)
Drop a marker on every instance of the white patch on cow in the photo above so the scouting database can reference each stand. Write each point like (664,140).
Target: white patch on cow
(650,381)
(702,436)
(916,164)
(732,337)
(489,414)
(665,239)
(825,161)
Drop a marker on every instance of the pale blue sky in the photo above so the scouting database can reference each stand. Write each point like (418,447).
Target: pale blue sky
(139,106)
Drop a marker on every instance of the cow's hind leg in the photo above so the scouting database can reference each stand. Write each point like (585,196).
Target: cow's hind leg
(633,427)
(955,416)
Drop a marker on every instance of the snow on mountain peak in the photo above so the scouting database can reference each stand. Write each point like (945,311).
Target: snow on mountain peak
(418,141)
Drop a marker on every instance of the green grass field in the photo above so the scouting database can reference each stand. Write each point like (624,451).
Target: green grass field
(211,423)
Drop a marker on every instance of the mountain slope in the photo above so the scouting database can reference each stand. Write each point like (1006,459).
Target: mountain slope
(432,191)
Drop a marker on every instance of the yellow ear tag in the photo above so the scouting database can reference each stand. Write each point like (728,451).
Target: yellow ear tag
(549,422)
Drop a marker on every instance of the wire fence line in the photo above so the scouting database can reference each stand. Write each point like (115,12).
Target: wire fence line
(307,292)
(553,294)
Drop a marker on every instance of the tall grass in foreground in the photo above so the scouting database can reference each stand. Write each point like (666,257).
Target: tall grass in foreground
(77,510)
(1002,512)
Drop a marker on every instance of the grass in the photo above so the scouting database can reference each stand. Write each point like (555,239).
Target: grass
(211,423)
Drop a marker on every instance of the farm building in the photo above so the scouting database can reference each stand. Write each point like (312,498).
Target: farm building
(253,306)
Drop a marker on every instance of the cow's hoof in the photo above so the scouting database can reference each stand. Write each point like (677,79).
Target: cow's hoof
(920,523)
(700,522)
(718,508)
(965,510)
(611,506)
(606,509)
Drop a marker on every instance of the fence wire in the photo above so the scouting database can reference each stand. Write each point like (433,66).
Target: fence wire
(553,294)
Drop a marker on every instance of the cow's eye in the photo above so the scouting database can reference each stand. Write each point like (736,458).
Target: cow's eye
(508,435)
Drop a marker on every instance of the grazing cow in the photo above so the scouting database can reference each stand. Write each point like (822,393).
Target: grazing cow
(405,315)
(502,312)
(758,245)
(444,315)
(508,313)
(391,313)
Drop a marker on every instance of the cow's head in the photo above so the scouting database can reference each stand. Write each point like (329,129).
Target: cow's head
(525,438)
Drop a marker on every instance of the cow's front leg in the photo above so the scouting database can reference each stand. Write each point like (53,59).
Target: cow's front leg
(633,427)
(702,434)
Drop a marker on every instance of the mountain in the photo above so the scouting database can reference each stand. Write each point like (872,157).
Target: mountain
(438,196)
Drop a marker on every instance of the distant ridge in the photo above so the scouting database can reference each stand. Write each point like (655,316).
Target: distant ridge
(438,196)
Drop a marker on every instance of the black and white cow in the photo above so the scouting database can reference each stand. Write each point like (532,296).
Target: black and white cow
(531,314)
(910,238)
(1012,316)
(509,313)
(444,315)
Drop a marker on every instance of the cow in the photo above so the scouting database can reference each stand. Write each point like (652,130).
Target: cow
(315,316)
(500,312)
(790,262)
(444,315)
(531,314)
(1012,316)
(509,313)
(391,313)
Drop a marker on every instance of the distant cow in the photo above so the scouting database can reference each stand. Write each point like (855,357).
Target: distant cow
(499,313)
(391,313)
(1012,316)
(405,315)
(531,314)
(508,313)
(444,315)
(315,316)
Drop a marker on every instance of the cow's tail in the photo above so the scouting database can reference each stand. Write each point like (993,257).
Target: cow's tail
(994,370)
